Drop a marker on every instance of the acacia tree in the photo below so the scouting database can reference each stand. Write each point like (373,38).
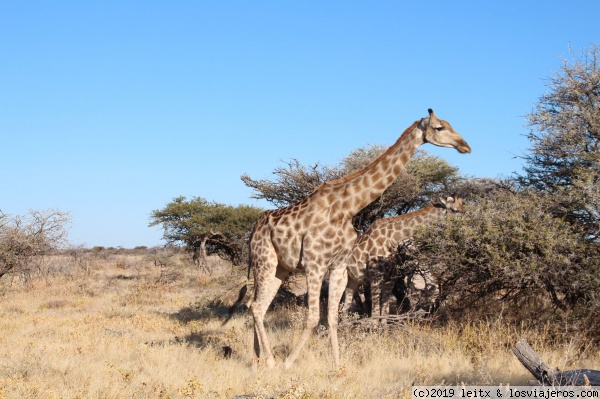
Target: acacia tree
(424,177)
(206,228)
(564,159)
(25,239)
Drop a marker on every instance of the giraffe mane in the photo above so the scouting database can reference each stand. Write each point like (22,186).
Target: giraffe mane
(394,219)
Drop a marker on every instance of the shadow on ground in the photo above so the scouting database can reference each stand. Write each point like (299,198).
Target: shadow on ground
(199,340)
(200,311)
(220,310)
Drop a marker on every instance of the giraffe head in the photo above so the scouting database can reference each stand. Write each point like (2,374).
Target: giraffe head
(453,204)
(440,133)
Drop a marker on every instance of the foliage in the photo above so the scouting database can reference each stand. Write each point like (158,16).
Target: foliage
(207,228)
(292,184)
(424,177)
(565,137)
(510,249)
(26,238)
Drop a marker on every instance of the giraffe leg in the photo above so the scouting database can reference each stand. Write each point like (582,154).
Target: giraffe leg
(361,299)
(386,299)
(338,278)
(351,288)
(376,280)
(375,298)
(314,279)
(266,290)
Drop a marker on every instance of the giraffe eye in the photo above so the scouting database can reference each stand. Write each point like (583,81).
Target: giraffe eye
(439,128)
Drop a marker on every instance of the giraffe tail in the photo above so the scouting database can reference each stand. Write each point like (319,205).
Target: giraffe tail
(238,302)
(244,289)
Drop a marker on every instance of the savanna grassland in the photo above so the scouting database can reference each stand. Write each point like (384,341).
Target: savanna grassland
(120,326)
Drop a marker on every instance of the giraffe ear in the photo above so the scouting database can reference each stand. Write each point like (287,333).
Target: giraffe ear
(442,201)
(450,199)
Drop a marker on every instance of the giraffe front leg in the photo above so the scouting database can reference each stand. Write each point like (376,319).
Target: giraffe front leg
(351,289)
(375,300)
(386,300)
(338,278)
(376,280)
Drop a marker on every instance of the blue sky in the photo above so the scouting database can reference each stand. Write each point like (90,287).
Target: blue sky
(109,109)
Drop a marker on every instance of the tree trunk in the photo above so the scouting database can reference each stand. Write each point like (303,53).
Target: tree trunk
(547,376)
(203,256)
(199,257)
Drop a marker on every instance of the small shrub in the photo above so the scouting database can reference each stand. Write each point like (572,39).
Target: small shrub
(26,239)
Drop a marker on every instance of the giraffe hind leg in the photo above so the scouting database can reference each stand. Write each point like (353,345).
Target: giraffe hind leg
(267,284)
(314,279)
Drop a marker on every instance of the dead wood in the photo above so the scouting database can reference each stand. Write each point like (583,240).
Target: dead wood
(548,376)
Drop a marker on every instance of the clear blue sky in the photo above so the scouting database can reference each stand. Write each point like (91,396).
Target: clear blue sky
(109,109)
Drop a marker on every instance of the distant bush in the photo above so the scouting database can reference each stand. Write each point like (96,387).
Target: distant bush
(25,239)
(162,256)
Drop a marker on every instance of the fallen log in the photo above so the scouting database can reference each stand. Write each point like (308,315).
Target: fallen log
(547,376)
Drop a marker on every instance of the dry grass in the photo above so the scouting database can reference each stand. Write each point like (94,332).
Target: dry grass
(122,328)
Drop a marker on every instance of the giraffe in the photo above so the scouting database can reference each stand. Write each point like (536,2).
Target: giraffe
(313,234)
(369,260)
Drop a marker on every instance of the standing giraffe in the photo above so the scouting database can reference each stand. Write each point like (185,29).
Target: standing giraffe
(368,260)
(308,235)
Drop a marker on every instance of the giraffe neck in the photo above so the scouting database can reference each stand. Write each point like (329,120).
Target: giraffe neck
(405,226)
(408,224)
(360,188)
(380,240)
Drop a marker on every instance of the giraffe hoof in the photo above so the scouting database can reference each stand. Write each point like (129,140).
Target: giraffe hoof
(287,365)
